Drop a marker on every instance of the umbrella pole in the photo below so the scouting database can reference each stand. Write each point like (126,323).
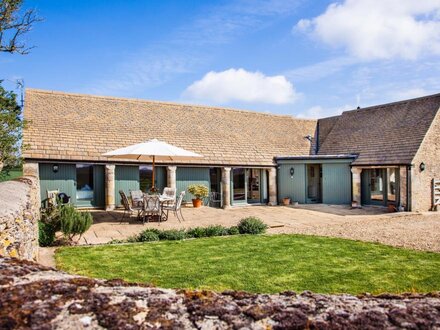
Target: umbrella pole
(152,184)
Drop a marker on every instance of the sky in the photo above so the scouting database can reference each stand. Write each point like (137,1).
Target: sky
(309,59)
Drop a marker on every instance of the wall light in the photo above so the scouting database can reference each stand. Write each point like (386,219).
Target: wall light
(422,166)
(55,168)
(292,172)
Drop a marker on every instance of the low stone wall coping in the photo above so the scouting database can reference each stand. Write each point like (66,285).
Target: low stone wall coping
(34,296)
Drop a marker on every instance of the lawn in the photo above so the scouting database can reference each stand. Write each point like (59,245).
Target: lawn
(13,173)
(264,264)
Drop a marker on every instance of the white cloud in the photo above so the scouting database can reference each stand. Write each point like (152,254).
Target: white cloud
(372,29)
(317,112)
(243,86)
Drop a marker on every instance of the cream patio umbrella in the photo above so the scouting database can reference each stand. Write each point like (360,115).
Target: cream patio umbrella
(151,151)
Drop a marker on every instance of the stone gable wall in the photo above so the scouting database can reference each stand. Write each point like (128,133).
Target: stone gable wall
(19,215)
(428,153)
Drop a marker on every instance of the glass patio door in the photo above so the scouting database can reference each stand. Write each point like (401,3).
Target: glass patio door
(84,184)
(253,187)
(377,186)
(239,185)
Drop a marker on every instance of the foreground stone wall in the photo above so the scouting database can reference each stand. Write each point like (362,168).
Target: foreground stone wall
(19,215)
(34,296)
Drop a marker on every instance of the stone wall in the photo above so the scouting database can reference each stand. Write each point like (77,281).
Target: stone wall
(429,154)
(19,215)
(37,297)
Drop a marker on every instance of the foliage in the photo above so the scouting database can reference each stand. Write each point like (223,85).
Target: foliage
(172,234)
(252,225)
(198,190)
(196,232)
(233,230)
(14,24)
(46,234)
(11,126)
(216,230)
(148,235)
(73,222)
(261,263)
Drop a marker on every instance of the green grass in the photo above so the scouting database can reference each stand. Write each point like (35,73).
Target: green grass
(13,174)
(264,264)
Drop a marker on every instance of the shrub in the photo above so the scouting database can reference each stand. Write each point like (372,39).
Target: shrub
(73,222)
(46,234)
(196,232)
(251,225)
(216,230)
(198,190)
(148,235)
(233,230)
(172,234)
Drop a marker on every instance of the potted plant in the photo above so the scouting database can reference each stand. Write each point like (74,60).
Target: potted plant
(199,191)
(286,201)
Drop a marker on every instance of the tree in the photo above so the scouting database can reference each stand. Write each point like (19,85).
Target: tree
(11,126)
(14,24)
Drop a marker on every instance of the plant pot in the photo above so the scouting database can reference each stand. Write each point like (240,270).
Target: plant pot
(286,201)
(197,202)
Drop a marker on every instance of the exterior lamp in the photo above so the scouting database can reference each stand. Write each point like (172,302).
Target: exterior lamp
(422,166)
(292,172)
(55,168)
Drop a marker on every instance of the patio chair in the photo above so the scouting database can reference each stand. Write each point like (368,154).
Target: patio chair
(215,199)
(151,208)
(52,196)
(136,197)
(177,207)
(128,209)
(169,193)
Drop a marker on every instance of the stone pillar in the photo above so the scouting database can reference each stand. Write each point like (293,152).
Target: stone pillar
(356,186)
(31,169)
(273,199)
(226,187)
(171,176)
(402,187)
(109,187)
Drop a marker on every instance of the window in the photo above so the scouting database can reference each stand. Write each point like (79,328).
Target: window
(145,177)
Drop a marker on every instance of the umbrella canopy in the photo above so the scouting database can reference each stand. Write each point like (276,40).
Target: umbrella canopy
(151,151)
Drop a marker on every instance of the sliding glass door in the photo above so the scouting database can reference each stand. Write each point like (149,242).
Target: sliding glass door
(380,186)
(247,186)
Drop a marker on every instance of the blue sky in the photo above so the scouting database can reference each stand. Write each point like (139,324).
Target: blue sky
(297,57)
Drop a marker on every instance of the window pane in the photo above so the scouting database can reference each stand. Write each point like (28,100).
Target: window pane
(145,177)
(84,182)
(239,184)
(377,185)
(392,184)
(254,185)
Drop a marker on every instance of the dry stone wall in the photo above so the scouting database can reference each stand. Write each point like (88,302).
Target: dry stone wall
(19,215)
(37,297)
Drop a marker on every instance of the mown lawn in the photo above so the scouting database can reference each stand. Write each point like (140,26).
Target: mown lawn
(264,264)
(13,173)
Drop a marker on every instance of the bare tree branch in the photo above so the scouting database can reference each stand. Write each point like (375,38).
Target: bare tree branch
(14,25)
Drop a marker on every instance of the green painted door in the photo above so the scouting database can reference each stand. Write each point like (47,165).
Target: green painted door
(126,179)
(186,176)
(292,185)
(336,187)
(63,180)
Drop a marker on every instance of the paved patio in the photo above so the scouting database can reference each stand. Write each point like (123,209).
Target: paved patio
(413,230)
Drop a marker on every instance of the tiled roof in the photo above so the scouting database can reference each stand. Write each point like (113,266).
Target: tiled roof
(82,127)
(384,134)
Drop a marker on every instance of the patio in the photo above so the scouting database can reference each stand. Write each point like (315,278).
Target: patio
(413,230)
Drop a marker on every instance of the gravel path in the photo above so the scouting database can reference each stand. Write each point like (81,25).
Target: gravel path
(415,231)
